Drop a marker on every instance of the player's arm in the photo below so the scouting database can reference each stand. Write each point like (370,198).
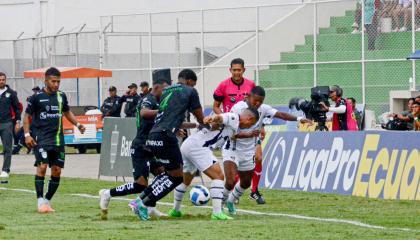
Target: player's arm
(195,107)
(290,117)
(30,142)
(70,116)
(218,96)
(188,125)
(148,113)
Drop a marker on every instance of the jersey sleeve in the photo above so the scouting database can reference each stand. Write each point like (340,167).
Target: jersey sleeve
(31,107)
(231,120)
(146,103)
(219,93)
(66,107)
(194,101)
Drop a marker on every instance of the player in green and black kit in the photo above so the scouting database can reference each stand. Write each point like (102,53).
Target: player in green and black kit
(47,109)
(176,101)
(142,159)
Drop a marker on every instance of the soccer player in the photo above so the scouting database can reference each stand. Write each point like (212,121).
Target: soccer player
(176,101)
(142,159)
(47,108)
(238,155)
(197,154)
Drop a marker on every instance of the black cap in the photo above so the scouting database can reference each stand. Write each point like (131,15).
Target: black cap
(112,88)
(144,84)
(162,74)
(133,85)
(37,88)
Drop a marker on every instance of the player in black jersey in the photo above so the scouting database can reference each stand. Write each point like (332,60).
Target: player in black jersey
(47,108)
(142,159)
(176,101)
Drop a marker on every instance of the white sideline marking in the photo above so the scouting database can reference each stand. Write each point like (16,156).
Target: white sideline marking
(334,220)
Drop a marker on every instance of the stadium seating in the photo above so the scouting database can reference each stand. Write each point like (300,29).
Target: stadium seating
(336,43)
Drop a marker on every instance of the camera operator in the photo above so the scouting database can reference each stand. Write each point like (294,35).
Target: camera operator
(403,121)
(416,115)
(342,112)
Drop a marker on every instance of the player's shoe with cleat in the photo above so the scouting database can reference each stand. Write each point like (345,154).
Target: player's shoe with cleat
(142,211)
(257,197)
(43,208)
(49,208)
(220,216)
(133,205)
(231,208)
(153,211)
(174,213)
(103,200)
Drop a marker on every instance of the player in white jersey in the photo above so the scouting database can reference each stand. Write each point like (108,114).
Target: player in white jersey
(197,154)
(239,154)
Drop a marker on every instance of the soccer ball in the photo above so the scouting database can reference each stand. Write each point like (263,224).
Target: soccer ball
(199,195)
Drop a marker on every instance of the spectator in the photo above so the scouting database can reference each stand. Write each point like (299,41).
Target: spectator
(416,115)
(144,89)
(402,10)
(372,13)
(8,103)
(357,18)
(342,112)
(131,98)
(357,113)
(417,99)
(406,116)
(110,107)
(234,89)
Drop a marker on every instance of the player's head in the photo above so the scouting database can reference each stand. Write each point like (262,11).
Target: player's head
(52,79)
(336,92)
(187,77)
(158,86)
(248,117)
(237,69)
(256,97)
(2,80)
(112,91)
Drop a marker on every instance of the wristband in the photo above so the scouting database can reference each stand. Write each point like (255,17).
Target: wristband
(298,119)
(27,135)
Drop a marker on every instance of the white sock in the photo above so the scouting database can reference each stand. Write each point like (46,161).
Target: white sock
(216,193)
(225,194)
(40,201)
(236,193)
(179,195)
(107,193)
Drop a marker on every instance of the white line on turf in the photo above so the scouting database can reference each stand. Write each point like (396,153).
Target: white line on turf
(333,220)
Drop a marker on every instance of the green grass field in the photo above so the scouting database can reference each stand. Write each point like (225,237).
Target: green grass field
(79,218)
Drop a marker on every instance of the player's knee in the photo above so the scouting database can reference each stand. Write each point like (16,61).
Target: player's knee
(245,184)
(55,171)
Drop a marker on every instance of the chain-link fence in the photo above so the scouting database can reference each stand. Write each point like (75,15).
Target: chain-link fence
(64,50)
(287,49)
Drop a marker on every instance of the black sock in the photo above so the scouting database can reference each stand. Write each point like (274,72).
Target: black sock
(39,186)
(52,187)
(126,189)
(160,187)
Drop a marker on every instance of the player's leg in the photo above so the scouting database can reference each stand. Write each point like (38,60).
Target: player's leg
(230,167)
(244,183)
(56,158)
(140,174)
(41,164)
(216,191)
(255,194)
(165,147)
(179,193)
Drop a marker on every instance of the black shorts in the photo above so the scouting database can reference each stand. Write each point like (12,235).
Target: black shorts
(165,148)
(144,163)
(53,155)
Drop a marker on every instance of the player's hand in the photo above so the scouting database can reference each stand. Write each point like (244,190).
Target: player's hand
(30,142)
(208,120)
(323,106)
(181,133)
(304,120)
(17,128)
(81,128)
(262,134)
(256,133)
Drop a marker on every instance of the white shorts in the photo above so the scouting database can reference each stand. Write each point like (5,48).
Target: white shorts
(244,161)
(194,157)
